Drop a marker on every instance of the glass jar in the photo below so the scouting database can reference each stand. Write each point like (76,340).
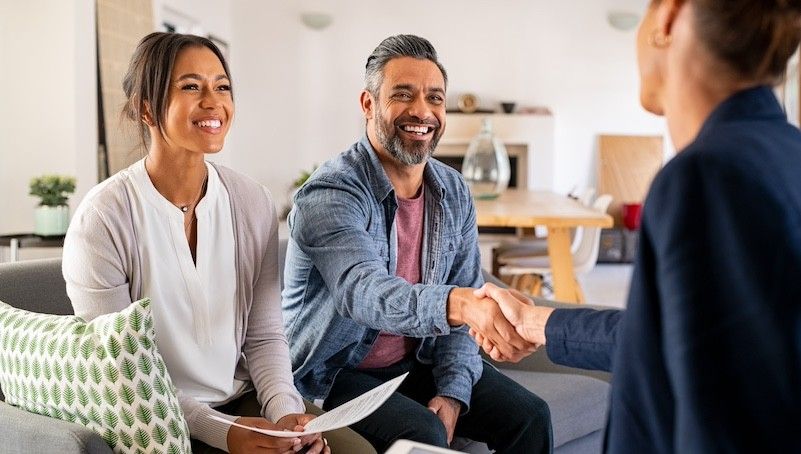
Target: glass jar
(486,164)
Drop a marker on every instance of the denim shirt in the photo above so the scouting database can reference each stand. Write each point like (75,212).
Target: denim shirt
(340,284)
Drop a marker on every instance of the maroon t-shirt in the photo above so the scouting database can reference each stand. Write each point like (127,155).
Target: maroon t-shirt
(388,349)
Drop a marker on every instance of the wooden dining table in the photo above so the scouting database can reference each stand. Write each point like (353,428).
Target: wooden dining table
(558,213)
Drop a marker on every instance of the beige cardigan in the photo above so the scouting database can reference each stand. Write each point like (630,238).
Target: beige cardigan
(101,266)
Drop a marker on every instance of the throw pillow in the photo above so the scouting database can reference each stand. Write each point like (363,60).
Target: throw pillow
(105,374)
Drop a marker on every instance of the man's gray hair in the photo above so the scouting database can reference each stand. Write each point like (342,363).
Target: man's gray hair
(395,47)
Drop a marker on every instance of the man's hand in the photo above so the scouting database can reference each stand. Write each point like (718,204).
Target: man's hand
(447,410)
(296,422)
(484,316)
(247,441)
(529,320)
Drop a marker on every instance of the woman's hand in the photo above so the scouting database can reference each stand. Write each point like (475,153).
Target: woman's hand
(247,441)
(314,443)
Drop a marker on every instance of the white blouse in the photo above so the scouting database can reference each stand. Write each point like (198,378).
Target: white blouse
(193,302)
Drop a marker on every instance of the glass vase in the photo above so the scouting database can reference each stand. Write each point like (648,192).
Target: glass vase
(486,164)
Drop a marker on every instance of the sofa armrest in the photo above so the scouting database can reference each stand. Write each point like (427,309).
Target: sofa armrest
(23,432)
(538,361)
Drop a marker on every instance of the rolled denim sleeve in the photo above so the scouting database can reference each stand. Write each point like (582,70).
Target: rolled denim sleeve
(330,224)
(457,364)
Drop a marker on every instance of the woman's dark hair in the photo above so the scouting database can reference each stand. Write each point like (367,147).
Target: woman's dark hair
(754,38)
(147,81)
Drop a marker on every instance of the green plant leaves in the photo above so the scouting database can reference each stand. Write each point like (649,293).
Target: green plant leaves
(159,434)
(144,414)
(53,190)
(144,390)
(111,437)
(112,374)
(127,417)
(128,369)
(130,344)
(142,438)
(110,396)
(160,409)
(95,374)
(114,347)
(110,418)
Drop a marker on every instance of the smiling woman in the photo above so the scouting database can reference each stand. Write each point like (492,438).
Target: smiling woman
(201,241)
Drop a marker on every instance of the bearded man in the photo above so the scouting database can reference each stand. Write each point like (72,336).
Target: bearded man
(381,265)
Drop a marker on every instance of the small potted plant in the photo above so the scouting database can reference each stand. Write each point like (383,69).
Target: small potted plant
(294,188)
(53,213)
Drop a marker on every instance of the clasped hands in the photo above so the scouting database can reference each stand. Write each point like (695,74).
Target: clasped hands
(504,322)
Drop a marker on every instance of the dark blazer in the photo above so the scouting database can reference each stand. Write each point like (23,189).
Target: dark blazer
(708,355)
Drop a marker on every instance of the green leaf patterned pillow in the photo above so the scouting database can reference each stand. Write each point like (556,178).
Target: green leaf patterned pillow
(105,374)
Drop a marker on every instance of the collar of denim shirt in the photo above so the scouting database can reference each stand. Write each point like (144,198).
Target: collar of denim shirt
(379,181)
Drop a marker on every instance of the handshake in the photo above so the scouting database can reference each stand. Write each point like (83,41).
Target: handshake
(504,322)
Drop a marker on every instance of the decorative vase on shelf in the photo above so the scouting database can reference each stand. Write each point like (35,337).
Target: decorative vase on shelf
(486,164)
(52,221)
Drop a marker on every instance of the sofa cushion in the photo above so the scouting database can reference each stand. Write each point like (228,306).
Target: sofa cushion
(578,404)
(105,374)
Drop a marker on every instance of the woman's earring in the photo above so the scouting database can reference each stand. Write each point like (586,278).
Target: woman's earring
(658,40)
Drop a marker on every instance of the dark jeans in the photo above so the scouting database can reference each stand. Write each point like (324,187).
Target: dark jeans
(503,414)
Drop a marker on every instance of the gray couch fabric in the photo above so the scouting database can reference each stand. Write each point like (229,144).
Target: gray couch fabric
(22,432)
(37,286)
(577,403)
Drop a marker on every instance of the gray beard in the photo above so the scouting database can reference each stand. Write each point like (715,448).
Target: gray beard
(394,145)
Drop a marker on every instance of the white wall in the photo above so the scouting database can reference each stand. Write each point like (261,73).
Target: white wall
(48,113)
(298,88)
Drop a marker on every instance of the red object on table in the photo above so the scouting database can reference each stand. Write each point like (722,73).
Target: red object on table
(631,215)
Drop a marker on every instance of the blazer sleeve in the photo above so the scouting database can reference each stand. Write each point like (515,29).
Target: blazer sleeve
(583,338)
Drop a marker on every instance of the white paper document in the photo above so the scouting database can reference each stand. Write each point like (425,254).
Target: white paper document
(346,414)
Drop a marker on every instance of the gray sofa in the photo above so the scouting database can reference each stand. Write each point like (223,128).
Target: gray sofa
(577,399)
(37,285)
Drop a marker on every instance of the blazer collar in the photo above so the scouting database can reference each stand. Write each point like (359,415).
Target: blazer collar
(757,103)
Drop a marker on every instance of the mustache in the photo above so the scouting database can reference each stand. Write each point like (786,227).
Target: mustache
(433,122)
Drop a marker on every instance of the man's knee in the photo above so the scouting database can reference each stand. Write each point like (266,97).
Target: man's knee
(535,413)
(425,427)
(537,406)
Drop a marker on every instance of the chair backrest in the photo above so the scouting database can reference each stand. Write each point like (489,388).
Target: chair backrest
(585,256)
(585,197)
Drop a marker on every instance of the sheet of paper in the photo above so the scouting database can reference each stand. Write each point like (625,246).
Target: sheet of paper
(346,414)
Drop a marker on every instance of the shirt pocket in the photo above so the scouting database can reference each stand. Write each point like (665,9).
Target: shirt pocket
(450,247)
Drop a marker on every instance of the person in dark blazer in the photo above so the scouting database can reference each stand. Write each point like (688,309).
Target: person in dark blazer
(707,356)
